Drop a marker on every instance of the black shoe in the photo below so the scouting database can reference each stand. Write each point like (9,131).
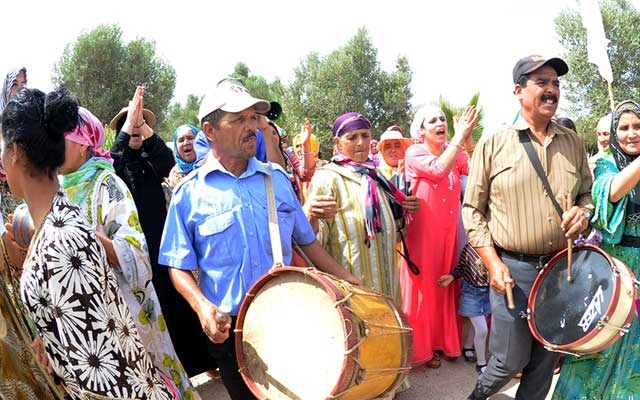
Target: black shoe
(477,394)
(469,354)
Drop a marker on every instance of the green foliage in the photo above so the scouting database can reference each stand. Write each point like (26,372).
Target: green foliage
(348,79)
(103,72)
(450,111)
(583,85)
(109,137)
(178,115)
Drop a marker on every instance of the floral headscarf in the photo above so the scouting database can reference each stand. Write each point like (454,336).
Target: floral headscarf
(89,132)
(10,79)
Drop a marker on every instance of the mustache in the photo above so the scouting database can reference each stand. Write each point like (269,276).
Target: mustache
(550,96)
(248,136)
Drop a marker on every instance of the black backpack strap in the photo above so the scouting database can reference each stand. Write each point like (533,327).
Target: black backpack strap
(528,147)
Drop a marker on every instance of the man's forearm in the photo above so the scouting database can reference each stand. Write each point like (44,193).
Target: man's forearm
(186,285)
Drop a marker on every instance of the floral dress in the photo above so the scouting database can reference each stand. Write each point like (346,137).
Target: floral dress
(614,373)
(72,296)
(109,207)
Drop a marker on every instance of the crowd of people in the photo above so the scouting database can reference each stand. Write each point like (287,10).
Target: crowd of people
(137,253)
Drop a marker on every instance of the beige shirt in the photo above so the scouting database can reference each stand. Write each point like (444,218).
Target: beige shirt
(505,203)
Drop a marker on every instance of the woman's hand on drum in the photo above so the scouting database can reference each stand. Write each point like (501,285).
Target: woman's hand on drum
(574,222)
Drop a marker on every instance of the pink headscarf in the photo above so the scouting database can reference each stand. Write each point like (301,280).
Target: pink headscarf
(89,132)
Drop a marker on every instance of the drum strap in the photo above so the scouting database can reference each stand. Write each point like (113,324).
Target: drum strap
(528,147)
(274,228)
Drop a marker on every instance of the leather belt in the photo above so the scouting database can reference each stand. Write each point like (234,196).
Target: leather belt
(540,259)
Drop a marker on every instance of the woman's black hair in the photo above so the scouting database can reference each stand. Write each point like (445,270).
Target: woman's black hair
(567,123)
(37,122)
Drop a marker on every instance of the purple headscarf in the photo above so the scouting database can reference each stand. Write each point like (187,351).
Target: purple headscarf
(349,122)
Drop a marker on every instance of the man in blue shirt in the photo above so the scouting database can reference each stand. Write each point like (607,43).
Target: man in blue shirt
(217,222)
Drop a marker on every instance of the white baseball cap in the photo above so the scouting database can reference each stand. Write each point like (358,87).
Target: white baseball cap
(230,96)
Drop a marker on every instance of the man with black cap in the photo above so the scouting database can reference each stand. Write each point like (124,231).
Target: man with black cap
(512,222)
(217,222)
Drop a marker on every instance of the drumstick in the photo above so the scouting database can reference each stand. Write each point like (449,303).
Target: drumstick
(569,242)
(509,289)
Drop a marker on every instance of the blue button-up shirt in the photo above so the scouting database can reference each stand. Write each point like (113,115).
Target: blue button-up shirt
(219,223)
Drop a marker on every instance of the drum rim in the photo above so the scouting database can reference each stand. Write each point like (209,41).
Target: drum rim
(334,293)
(615,296)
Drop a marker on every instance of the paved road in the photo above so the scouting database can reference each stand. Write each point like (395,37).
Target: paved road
(452,381)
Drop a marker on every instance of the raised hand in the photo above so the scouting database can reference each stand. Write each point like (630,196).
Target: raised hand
(305,131)
(463,124)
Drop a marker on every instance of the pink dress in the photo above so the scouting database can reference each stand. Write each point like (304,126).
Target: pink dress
(432,243)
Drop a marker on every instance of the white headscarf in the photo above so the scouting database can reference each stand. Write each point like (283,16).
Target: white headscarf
(418,120)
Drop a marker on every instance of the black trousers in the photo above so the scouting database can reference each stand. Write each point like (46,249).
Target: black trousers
(225,356)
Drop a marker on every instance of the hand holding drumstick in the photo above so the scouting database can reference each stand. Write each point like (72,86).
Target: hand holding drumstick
(574,222)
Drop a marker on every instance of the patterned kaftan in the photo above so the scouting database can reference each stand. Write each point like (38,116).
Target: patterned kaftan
(72,296)
(343,237)
(109,206)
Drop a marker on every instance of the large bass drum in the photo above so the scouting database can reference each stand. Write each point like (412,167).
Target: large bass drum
(587,314)
(305,335)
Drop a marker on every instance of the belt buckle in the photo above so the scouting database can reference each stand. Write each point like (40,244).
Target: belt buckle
(542,262)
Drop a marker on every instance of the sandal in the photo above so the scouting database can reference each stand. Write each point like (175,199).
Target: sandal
(434,362)
(469,354)
(480,368)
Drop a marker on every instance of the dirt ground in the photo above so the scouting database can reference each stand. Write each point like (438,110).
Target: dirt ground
(452,381)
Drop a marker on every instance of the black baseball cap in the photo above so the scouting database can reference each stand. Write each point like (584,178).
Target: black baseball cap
(528,64)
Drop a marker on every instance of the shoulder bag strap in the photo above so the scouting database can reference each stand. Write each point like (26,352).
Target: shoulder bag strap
(528,147)
(274,228)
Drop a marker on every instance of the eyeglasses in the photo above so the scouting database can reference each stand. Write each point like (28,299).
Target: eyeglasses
(350,120)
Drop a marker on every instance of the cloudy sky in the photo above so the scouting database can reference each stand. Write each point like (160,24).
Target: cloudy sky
(455,47)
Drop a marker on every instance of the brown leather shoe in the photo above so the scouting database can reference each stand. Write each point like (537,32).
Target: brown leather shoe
(434,362)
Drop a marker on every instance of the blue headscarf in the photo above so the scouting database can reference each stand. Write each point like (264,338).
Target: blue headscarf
(184,166)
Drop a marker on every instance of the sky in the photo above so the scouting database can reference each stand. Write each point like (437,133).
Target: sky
(455,48)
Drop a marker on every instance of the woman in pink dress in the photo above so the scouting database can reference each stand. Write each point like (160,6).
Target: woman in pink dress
(434,167)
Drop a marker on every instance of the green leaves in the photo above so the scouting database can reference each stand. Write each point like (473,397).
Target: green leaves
(103,72)
(451,110)
(582,86)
